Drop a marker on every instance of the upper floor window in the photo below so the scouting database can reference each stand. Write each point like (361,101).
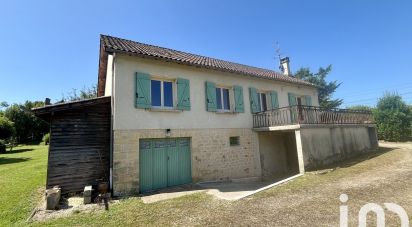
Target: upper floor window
(262,100)
(222,99)
(154,93)
(263,105)
(162,93)
(295,99)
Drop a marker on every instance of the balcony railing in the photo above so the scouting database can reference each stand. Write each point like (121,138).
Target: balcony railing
(292,115)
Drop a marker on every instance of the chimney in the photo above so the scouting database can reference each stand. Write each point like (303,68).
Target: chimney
(284,66)
(47,102)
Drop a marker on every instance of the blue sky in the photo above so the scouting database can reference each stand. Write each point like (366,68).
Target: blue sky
(50,47)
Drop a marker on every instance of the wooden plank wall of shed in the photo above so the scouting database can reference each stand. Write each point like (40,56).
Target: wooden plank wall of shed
(79,147)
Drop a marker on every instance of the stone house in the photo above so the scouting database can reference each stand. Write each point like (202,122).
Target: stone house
(178,118)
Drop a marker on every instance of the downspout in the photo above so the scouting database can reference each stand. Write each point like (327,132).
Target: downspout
(111,125)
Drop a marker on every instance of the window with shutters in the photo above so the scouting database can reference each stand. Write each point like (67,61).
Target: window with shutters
(222,99)
(263,101)
(304,100)
(159,93)
(162,94)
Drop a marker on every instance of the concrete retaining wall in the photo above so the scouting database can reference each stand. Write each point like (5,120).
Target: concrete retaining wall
(324,145)
(278,154)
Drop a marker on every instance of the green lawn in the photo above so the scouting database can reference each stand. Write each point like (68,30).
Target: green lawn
(22,175)
(308,200)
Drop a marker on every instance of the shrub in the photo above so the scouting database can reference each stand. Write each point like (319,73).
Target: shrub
(2,147)
(360,107)
(393,118)
(28,127)
(6,128)
(46,138)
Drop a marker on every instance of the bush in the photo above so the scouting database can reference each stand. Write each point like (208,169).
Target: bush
(360,107)
(2,147)
(393,118)
(28,127)
(46,138)
(6,128)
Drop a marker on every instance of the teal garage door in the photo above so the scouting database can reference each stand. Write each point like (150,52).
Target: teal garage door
(164,163)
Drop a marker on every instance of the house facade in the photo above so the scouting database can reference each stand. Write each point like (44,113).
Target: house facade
(178,118)
(181,118)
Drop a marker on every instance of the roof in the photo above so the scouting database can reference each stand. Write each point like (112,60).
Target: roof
(114,44)
(45,111)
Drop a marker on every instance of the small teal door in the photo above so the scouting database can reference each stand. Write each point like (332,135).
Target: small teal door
(164,163)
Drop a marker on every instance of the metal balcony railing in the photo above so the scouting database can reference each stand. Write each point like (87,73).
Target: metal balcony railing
(292,115)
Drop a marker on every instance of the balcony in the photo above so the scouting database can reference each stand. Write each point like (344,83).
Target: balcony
(297,115)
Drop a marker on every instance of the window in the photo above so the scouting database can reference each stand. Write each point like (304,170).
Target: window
(263,105)
(162,94)
(304,100)
(299,101)
(234,140)
(222,99)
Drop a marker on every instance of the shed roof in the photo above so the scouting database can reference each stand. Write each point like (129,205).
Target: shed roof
(46,111)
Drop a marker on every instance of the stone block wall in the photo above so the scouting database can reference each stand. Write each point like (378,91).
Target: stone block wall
(213,159)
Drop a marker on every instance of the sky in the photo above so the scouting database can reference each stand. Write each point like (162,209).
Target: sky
(51,47)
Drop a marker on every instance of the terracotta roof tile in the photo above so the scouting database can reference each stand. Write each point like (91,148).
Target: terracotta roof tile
(122,45)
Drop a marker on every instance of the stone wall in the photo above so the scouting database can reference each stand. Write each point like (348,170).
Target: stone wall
(213,159)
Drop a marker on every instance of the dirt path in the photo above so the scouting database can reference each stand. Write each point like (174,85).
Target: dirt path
(314,200)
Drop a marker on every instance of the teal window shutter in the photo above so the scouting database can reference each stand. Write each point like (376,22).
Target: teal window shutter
(308,100)
(292,102)
(292,99)
(274,99)
(254,101)
(142,91)
(239,104)
(210,96)
(183,94)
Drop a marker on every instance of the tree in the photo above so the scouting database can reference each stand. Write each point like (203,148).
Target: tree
(6,128)
(393,118)
(326,89)
(27,126)
(6,133)
(84,93)
(361,107)
(4,104)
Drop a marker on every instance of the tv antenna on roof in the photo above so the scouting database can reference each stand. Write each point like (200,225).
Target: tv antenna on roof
(279,55)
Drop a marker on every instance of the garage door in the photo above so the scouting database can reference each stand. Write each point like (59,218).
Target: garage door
(164,163)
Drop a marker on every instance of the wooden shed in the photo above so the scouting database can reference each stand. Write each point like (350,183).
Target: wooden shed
(79,150)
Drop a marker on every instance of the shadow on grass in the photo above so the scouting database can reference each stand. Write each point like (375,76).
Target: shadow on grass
(32,143)
(17,150)
(351,161)
(4,161)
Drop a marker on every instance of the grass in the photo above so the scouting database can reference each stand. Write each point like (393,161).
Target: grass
(202,209)
(22,175)
(337,171)
(133,212)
